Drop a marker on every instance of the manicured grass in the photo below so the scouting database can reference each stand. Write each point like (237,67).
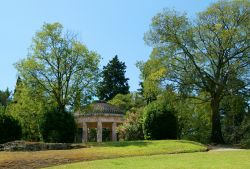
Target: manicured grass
(97,151)
(220,160)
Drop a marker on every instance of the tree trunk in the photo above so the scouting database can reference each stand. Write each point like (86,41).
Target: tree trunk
(216,135)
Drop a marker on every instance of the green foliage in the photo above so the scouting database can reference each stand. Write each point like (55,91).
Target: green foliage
(194,120)
(113,80)
(234,109)
(28,106)
(133,104)
(92,135)
(5,97)
(2,109)
(151,76)
(57,126)
(123,101)
(9,128)
(65,69)
(208,54)
(132,128)
(127,101)
(245,132)
(193,115)
(106,133)
(159,122)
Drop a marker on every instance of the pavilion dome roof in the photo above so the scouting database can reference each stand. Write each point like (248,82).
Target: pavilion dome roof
(102,107)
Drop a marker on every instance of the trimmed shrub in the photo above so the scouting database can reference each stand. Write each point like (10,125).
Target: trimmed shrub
(159,122)
(9,129)
(58,127)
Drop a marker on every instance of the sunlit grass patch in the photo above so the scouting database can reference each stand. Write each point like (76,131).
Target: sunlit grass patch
(222,160)
(97,151)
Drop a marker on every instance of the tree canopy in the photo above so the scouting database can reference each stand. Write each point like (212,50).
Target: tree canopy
(209,54)
(61,65)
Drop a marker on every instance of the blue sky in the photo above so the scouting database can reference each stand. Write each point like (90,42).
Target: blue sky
(109,27)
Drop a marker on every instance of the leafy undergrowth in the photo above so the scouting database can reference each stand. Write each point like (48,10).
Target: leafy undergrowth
(96,152)
(222,160)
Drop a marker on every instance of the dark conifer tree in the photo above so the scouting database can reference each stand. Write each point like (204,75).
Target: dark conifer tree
(113,80)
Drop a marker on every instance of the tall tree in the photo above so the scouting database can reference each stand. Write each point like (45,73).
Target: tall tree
(205,55)
(61,65)
(28,106)
(113,80)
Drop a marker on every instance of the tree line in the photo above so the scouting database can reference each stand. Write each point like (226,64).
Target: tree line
(197,77)
(195,84)
(58,77)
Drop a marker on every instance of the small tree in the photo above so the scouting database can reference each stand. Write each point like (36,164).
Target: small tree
(113,80)
(159,122)
(132,128)
(58,126)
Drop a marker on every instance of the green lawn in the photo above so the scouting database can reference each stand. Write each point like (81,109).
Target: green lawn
(148,147)
(220,160)
(97,151)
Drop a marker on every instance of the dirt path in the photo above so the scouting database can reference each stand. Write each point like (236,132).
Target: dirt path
(224,148)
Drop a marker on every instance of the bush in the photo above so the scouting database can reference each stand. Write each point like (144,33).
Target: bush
(132,128)
(159,122)
(58,127)
(9,129)
(245,132)
(234,115)
(245,143)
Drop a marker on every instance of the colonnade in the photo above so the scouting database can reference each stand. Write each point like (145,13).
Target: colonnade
(99,131)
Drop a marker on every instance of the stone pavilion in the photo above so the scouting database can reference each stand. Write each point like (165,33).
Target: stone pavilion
(99,115)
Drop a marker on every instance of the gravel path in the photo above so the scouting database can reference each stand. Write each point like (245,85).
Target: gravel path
(224,148)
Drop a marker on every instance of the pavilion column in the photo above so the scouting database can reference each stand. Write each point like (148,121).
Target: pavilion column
(84,132)
(99,131)
(114,135)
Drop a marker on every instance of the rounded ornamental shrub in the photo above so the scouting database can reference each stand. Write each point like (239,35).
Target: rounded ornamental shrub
(58,127)
(10,129)
(159,122)
(132,128)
